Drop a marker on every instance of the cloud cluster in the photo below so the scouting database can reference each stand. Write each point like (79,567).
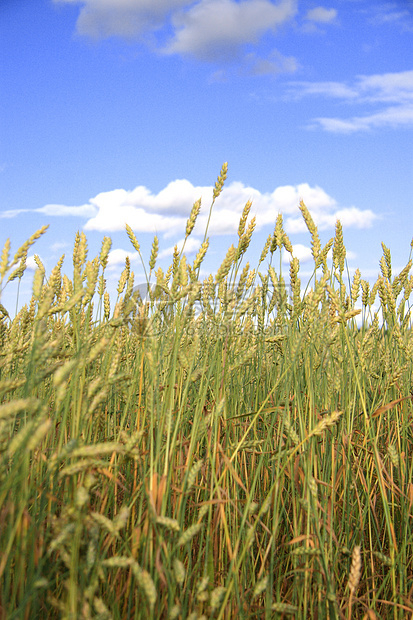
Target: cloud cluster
(391,93)
(206,30)
(218,19)
(166,212)
(231,30)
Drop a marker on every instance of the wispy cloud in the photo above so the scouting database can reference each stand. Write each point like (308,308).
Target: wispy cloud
(334,90)
(385,13)
(377,88)
(10,213)
(273,64)
(322,15)
(88,210)
(395,117)
(317,18)
(393,92)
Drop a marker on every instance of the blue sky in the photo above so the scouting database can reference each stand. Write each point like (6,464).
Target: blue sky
(115,111)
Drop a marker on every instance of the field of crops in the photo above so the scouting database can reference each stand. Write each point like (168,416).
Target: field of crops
(235,447)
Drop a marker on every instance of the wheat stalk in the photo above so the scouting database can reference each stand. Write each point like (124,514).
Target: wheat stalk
(226,264)
(192,218)
(315,239)
(220,181)
(154,253)
(278,235)
(339,250)
(243,219)
(179,571)
(355,574)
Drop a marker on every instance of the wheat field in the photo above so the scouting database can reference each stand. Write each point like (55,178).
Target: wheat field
(233,447)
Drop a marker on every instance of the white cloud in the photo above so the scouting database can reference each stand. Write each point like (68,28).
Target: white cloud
(177,195)
(142,210)
(117,257)
(59,245)
(350,256)
(211,29)
(192,246)
(321,15)
(393,91)
(350,217)
(31,264)
(388,87)
(300,251)
(304,255)
(167,212)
